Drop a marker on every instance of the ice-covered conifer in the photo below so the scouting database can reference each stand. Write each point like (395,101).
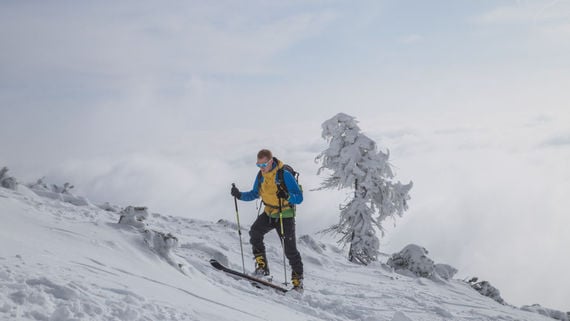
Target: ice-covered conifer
(355,162)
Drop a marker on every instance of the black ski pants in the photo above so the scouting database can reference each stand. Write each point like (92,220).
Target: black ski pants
(262,225)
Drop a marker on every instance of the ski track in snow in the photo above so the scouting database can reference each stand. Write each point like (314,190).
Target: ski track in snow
(64,262)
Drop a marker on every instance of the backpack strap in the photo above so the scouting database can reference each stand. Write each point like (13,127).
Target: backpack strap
(281,180)
(258,181)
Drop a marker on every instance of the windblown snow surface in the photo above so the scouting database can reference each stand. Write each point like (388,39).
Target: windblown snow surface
(64,262)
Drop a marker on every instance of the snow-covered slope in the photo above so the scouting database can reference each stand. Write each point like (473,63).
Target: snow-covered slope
(64,262)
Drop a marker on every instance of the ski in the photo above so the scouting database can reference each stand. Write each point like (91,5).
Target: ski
(255,281)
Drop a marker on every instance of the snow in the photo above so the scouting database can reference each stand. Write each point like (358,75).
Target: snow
(60,261)
(536,308)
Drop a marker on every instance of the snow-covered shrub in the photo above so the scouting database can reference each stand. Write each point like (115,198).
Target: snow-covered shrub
(159,242)
(162,243)
(445,271)
(134,216)
(413,258)
(40,185)
(555,314)
(356,162)
(57,192)
(486,289)
(7,181)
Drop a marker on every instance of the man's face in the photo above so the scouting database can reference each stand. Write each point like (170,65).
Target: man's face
(264,164)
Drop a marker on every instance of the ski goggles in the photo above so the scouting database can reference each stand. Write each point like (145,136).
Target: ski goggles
(262,165)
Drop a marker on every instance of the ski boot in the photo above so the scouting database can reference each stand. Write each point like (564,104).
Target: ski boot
(297,281)
(261,268)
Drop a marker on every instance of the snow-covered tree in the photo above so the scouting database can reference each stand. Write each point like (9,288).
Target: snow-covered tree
(356,162)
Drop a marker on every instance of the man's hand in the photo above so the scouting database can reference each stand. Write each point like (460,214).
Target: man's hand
(235,192)
(281,193)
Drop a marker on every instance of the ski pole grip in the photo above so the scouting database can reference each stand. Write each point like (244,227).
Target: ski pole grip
(235,203)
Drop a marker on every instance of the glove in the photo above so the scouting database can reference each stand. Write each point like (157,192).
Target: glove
(281,193)
(235,192)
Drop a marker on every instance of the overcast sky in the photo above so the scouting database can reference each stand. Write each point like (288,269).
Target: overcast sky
(165,104)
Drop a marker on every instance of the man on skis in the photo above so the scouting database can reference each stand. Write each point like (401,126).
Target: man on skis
(279,193)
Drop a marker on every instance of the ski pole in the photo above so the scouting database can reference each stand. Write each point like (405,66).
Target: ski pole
(282,241)
(239,231)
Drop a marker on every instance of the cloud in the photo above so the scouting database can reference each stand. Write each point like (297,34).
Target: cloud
(410,39)
(195,61)
(543,28)
(489,199)
(555,32)
(527,12)
(139,40)
(558,141)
